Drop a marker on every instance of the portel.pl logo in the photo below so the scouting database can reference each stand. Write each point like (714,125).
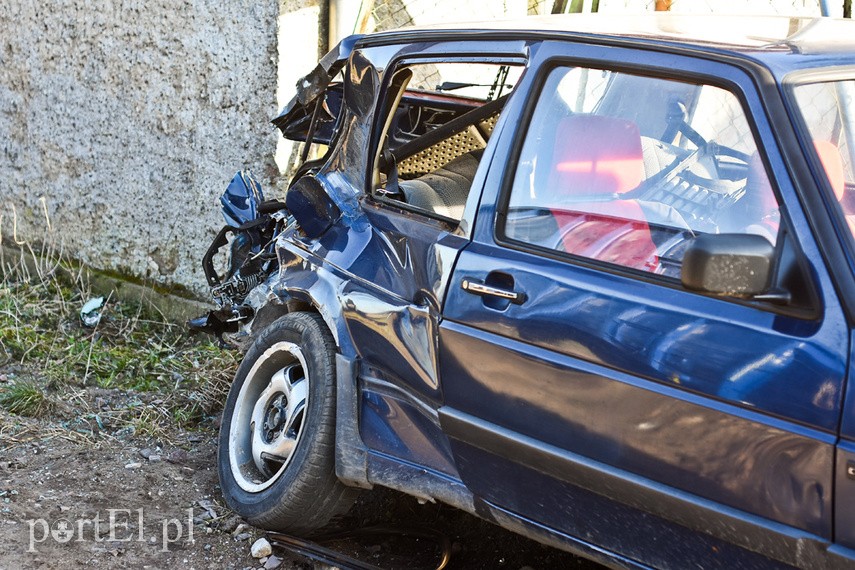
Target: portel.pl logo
(119,525)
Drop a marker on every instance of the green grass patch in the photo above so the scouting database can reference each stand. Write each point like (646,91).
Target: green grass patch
(132,348)
(25,398)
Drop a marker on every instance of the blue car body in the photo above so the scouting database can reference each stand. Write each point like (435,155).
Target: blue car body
(603,411)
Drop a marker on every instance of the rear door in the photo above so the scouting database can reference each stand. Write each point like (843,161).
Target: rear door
(585,388)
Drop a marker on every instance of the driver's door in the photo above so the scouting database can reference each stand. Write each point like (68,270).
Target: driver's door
(585,388)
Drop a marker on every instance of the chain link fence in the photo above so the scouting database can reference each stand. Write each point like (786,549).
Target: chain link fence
(779,7)
(379,15)
(390,14)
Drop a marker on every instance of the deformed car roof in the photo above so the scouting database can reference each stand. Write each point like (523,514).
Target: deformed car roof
(764,38)
(780,43)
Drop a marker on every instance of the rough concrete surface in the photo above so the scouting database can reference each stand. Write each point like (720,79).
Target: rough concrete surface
(122,121)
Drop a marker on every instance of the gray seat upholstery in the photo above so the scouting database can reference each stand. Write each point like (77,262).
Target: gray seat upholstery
(444,191)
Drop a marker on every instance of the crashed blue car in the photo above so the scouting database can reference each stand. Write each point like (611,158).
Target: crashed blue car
(591,279)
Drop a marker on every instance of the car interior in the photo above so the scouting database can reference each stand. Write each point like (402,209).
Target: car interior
(626,171)
(435,133)
(616,167)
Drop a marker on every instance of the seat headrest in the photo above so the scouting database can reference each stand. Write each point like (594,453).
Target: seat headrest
(597,155)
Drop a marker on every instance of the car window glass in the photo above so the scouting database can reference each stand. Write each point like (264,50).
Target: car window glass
(718,117)
(437,121)
(828,110)
(626,169)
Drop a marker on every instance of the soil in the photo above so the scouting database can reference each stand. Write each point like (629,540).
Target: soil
(81,495)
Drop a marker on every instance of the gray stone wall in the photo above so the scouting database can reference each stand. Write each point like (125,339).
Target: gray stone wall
(122,121)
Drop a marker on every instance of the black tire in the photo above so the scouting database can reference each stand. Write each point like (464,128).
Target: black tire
(298,492)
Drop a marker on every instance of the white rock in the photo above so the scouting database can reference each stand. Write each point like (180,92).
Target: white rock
(261,548)
(133,465)
(272,562)
(241,528)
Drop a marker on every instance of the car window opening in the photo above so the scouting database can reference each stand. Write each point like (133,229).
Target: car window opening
(438,122)
(627,169)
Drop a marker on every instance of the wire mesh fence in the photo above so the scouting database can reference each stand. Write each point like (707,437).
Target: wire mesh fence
(779,7)
(389,14)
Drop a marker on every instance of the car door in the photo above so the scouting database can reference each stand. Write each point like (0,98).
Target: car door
(422,147)
(585,388)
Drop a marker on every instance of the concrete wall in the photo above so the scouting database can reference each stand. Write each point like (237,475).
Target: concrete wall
(121,122)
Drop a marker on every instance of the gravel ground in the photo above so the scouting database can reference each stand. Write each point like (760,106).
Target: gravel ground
(101,498)
(123,502)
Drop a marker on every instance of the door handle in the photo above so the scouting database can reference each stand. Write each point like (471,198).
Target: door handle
(483,289)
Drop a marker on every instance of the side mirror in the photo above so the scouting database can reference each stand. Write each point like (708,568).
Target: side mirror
(728,264)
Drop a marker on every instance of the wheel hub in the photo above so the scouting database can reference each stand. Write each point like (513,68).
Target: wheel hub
(267,423)
(274,417)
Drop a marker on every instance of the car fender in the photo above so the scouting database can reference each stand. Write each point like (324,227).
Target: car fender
(305,284)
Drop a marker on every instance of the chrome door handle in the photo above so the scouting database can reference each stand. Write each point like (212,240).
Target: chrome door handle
(482,289)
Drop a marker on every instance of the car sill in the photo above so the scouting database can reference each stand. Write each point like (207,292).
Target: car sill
(768,538)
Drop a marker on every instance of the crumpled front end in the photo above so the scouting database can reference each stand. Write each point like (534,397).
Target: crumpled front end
(249,234)
(253,224)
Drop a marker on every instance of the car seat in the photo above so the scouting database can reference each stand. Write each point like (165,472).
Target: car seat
(445,190)
(832,163)
(596,160)
(757,211)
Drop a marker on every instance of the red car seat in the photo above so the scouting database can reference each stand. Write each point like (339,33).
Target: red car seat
(832,163)
(596,159)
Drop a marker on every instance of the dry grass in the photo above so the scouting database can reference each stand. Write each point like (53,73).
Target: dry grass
(133,371)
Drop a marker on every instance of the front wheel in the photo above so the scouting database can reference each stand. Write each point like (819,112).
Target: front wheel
(276,456)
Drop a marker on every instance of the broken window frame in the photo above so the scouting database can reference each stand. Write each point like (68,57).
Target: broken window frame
(388,105)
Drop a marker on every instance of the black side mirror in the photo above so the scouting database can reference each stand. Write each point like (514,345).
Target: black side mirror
(728,264)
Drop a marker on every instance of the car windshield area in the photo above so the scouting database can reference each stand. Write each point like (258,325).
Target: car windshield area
(438,118)
(625,169)
(828,111)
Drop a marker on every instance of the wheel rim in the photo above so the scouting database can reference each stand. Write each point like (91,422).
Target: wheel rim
(268,417)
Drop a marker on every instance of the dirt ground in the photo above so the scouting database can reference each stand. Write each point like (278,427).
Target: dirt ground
(78,495)
(108,438)
(121,508)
